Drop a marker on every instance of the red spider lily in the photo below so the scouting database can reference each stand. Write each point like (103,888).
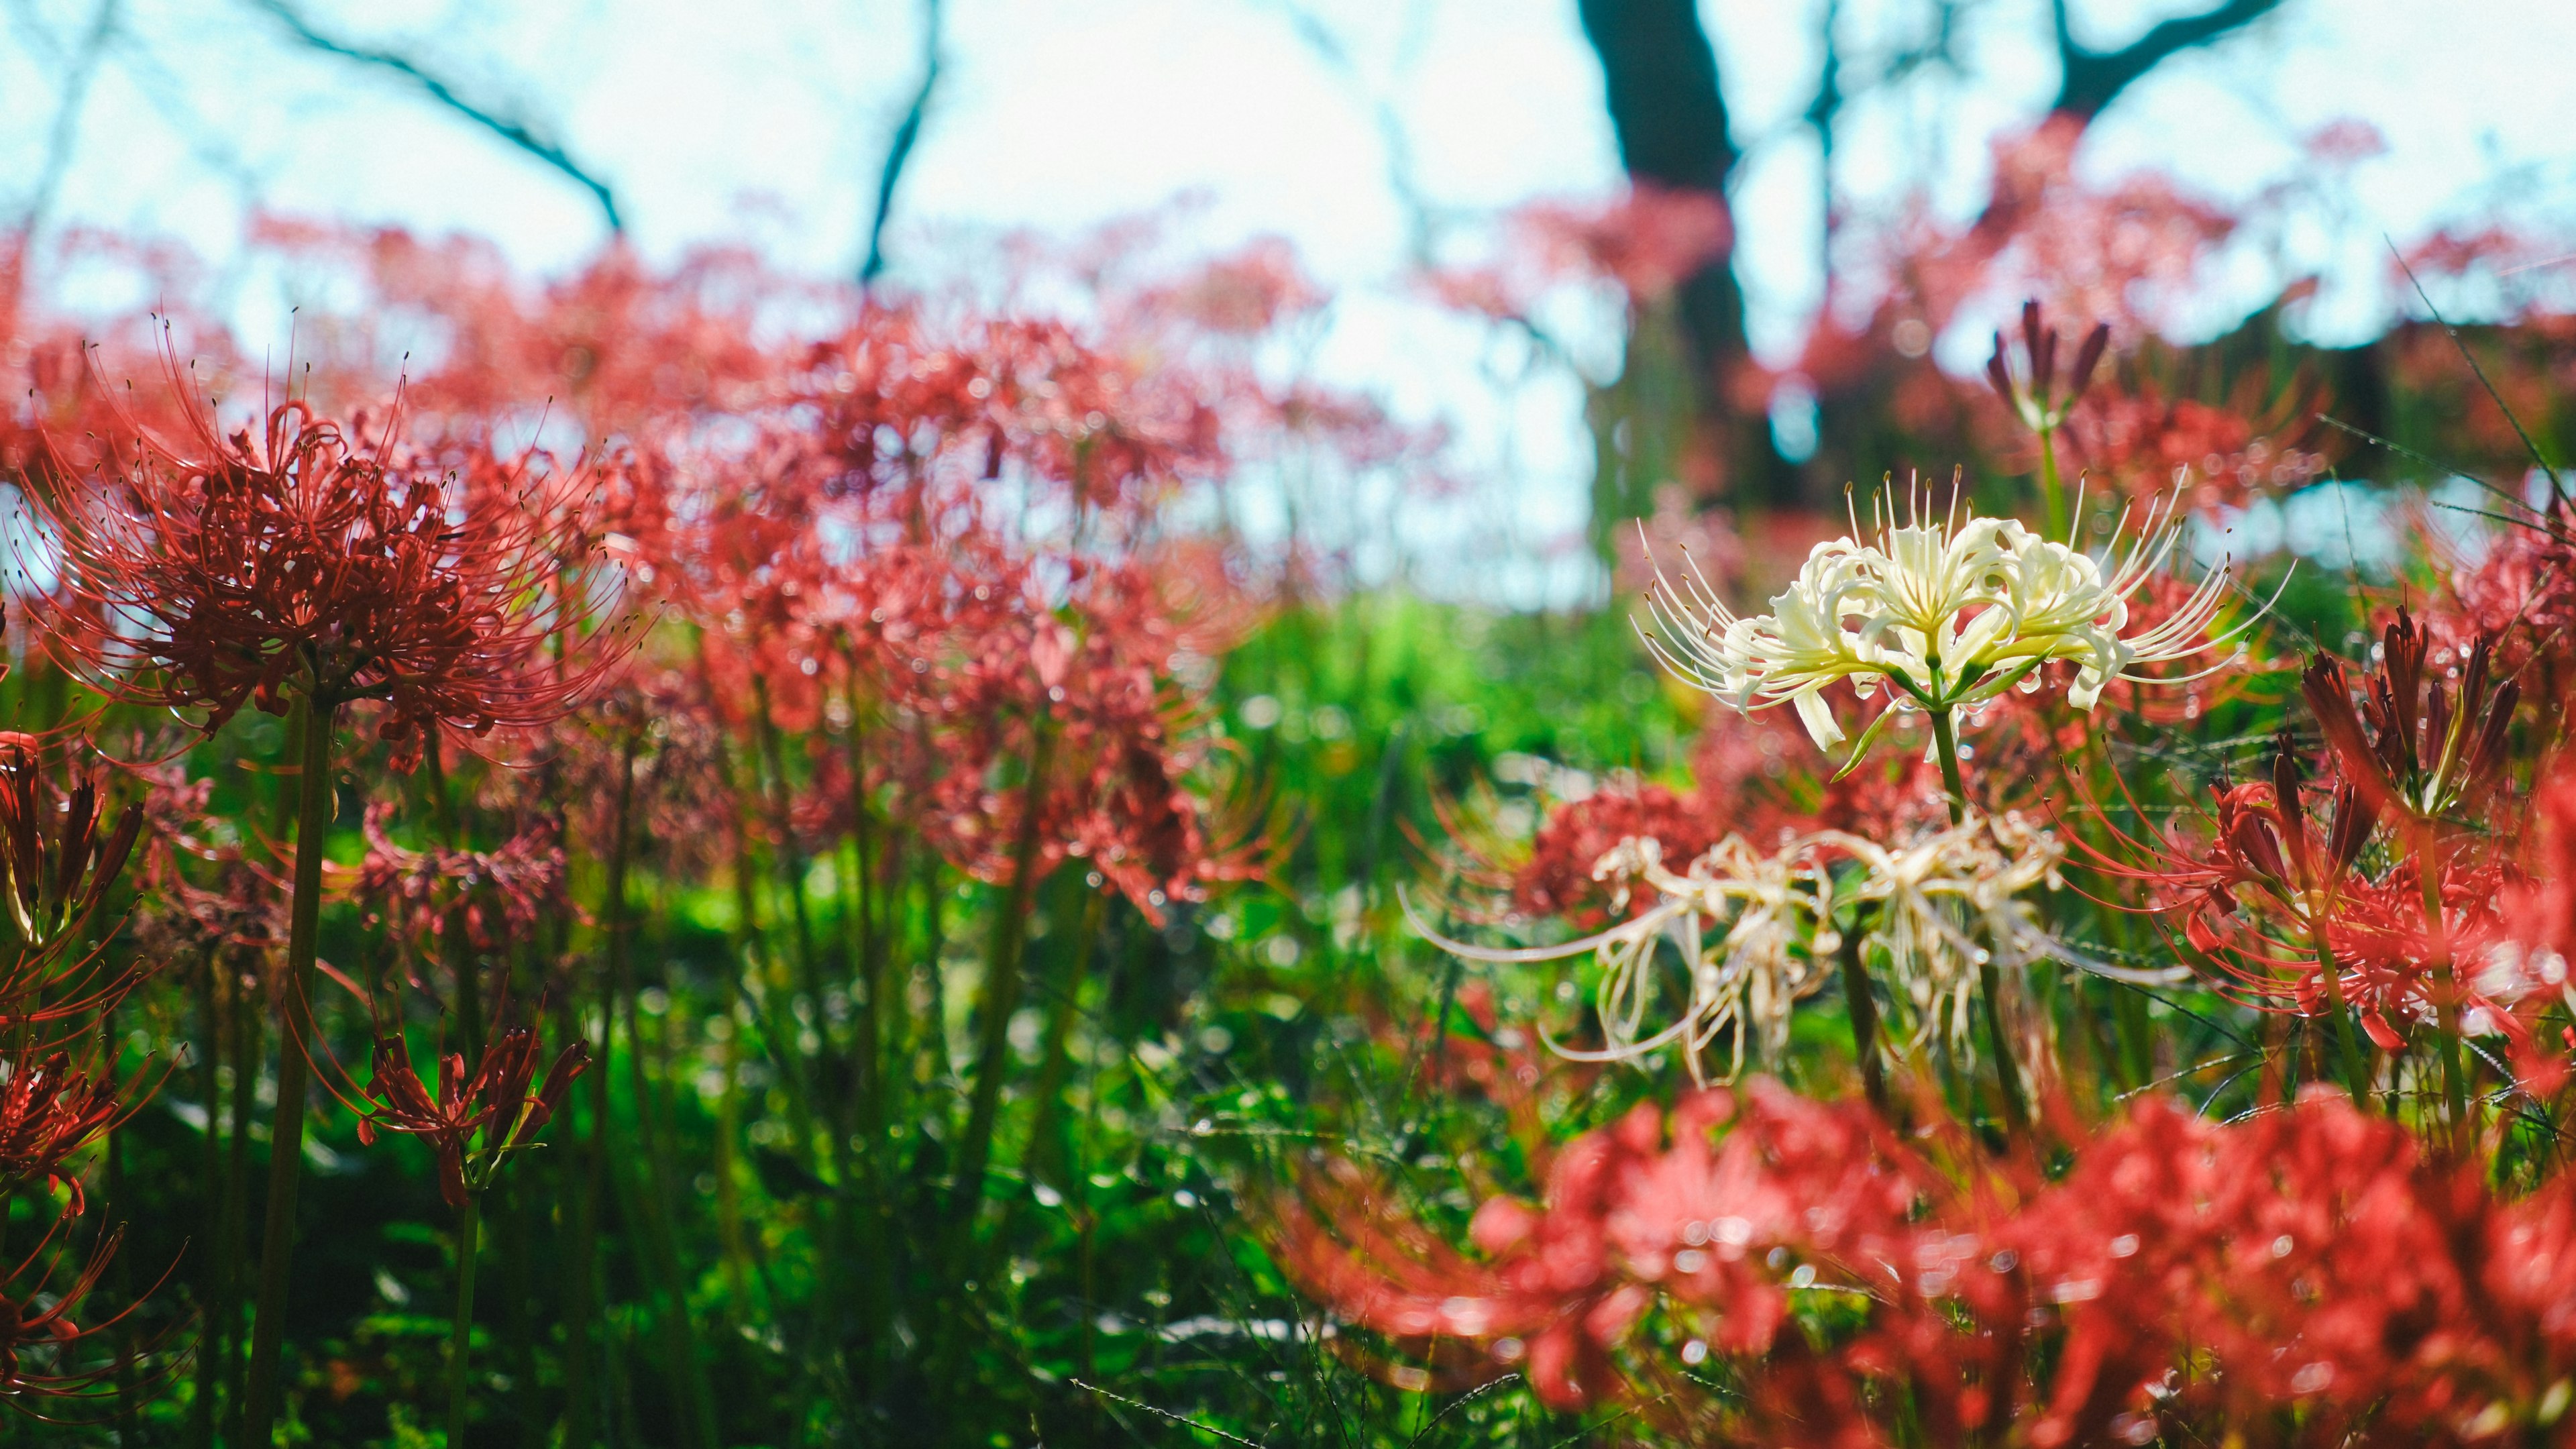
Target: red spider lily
(54,884)
(474,1123)
(2521,591)
(244,908)
(39,1334)
(1648,242)
(618,346)
(2545,911)
(2143,442)
(2413,744)
(304,559)
(1124,740)
(676,733)
(2271,895)
(1748,779)
(2305,1269)
(2400,967)
(2034,397)
(1557,880)
(50,1109)
(2112,252)
(493,896)
(1243,294)
(56,868)
(2263,853)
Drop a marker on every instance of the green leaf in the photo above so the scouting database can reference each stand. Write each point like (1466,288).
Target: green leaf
(1860,747)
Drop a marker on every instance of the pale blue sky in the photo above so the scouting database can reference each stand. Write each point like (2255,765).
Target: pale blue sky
(766,122)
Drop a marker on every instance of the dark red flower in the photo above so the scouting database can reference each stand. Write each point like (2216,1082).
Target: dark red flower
(474,1122)
(311,559)
(58,862)
(2412,744)
(2306,1269)
(41,1340)
(51,1108)
(493,896)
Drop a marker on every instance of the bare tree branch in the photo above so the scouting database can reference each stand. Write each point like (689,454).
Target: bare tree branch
(2094,78)
(1403,174)
(165,93)
(907,134)
(517,132)
(65,135)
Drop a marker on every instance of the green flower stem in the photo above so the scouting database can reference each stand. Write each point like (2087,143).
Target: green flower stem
(247,1025)
(1945,743)
(999,998)
(2052,490)
(211,1266)
(2436,934)
(460,1339)
(313,796)
(996,999)
(1864,1019)
(2356,1072)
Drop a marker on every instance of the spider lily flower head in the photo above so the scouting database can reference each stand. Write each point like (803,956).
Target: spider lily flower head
(57,861)
(2410,742)
(40,1340)
(1561,878)
(50,1109)
(306,560)
(2034,398)
(1950,610)
(2263,853)
(1756,932)
(2147,1290)
(1753,930)
(474,1122)
(57,866)
(494,897)
(1950,901)
(2398,968)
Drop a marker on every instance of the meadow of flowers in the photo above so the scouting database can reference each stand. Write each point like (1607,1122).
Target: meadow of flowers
(712,862)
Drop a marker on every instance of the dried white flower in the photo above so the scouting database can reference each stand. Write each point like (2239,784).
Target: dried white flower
(1755,933)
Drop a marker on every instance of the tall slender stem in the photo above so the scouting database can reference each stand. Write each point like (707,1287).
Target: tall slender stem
(581,1273)
(313,791)
(246,1032)
(2437,940)
(1000,996)
(2356,1071)
(1047,1156)
(460,1338)
(212,1266)
(113,1148)
(585,1348)
(867,1052)
(2052,491)
(997,999)
(1945,743)
(1864,1019)
(696,1421)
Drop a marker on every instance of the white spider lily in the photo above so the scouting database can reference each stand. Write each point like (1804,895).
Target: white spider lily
(1755,933)
(1940,894)
(1952,611)
(1951,901)
(1750,929)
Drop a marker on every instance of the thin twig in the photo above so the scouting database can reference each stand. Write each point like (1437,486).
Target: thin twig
(907,134)
(517,132)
